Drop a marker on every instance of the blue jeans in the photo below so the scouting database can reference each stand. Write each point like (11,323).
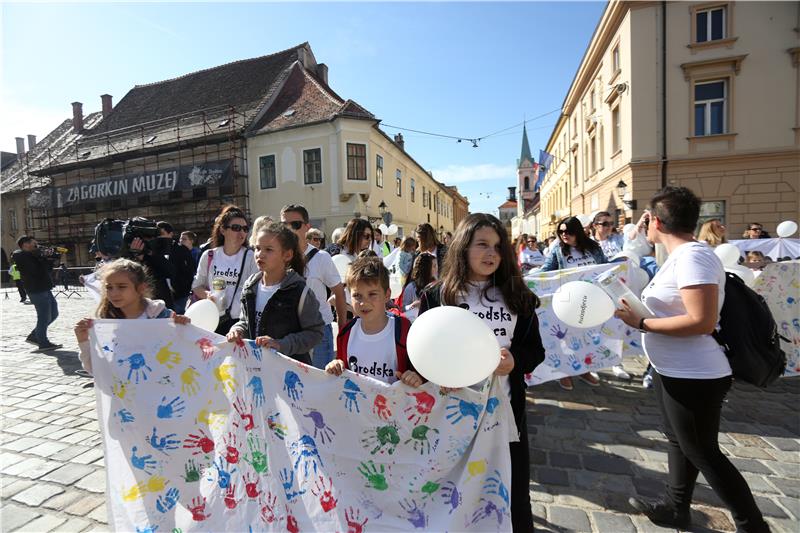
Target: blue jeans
(46,313)
(180,305)
(323,352)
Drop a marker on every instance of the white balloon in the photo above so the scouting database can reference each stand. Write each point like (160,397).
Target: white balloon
(392,229)
(452,347)
(627,229)
(204,314)
(728,254)
(585,220)
(395,285)
(743,272)
(342,263)
(637,280)
(384,228)
(581,304)
(787,228)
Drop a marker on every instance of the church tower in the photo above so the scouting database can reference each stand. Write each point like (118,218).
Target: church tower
(526,175)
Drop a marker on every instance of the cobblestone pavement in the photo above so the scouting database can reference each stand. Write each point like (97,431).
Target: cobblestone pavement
(591,448)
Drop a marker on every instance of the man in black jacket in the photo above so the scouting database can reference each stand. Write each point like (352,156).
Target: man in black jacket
(35,270)
(183,266)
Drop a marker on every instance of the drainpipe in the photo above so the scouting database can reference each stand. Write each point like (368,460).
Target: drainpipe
(663,93)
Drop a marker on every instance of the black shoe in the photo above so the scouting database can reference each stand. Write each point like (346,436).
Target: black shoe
(662,514)
(49,347)
(31,339)
(83,373)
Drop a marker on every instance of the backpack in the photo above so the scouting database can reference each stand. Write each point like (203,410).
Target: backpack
(401,327)
(750,339)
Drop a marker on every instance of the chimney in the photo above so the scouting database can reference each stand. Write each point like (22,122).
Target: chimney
(107,105)
(512,194)
(31,141)
(322,72)
(77,117)
(20,146)
(398,139)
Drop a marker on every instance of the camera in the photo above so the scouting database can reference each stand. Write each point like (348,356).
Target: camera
(113,237)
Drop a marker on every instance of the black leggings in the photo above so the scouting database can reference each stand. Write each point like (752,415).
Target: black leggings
(691,412)
(521,513)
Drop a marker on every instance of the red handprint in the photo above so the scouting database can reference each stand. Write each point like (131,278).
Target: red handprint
(239,349)
(198,509)
(231,449)
(244,413)
(268,508)
(381,407)
(230,498)
(207,348)
(251,486)
(419,412)
(325,494)
(291,522)
(353,525)
(201,442)
(588,360)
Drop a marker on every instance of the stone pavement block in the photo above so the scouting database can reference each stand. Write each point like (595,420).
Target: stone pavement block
(68,474)
(84,505)
(569,518)
(73,450)
(770,508)
(746,439)
(94,482)
(23,444)
(655,456)
(643,525)
(621,450)
(786,470)
(608,464)
(748,452)
(60,502)
(789,487)
(782,443)
(25,428)
(792,505)
(565,460)
(99,514)
(750,465)
(552,476)
(88,457)
(785,457)
(612,522)
(32,468)
(14,516)
(579,498)
(782,525)
(46,522)
(36,494)
(710,518)
(11,486)
(48,448)
(78,436)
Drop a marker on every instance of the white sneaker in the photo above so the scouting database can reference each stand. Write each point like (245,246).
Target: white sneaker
(620,372)
(647,381)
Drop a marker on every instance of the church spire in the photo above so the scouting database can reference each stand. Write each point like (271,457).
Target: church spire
(526,149)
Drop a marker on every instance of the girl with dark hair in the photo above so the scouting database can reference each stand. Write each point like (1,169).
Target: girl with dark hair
(357,237)
(481,274)
(278,309)
(225,265)
(429,242)
(421,276)
(692,373)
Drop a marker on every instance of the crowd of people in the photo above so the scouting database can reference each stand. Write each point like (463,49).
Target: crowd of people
(282,289)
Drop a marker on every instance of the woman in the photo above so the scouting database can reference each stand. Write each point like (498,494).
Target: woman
(692,374)
(576,249)
(421,276)
(610,242)
(225,266)
(713,232)
(356,238)
(428,242)
(530,256)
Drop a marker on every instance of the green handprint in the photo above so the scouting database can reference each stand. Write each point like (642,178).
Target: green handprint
(375,479)
(385,439)
(192,472)
(430,487)
(258,453)
(420,437)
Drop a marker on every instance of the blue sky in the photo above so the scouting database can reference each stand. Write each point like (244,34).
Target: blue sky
(462,69)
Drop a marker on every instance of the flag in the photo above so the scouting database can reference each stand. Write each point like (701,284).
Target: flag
(545,160)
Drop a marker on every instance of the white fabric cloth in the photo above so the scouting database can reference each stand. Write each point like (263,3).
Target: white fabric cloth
(696,356)
(321,273)
(263,295)
(373,355)
(531,257)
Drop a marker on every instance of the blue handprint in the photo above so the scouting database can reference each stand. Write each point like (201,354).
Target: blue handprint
(223,476)
(143,462)
(163,443)
(553,360)
(796,324)
(166,502)
(575,343)
(463,409)
(492,404)
(350,394)
(255,348)
(594,336)
(555,331)
(287,480)
(147,529)
(574,363)
(175,408)
(258,390)
(495,485)
(137,365)
(290,383)
(125,416)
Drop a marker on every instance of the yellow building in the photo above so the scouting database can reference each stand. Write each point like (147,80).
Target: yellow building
(702,95)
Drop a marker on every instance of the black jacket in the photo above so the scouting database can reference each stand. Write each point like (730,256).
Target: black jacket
(526,347)
(184,269)
(34,269)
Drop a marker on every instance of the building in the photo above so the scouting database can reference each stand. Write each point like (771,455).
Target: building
(526,219)
(460,205)
(508,209)
(702,95)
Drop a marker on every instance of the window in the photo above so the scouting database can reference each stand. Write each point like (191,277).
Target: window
(266,170)
(430,201)
(601,148)
(710,24)
(28,218)
(12,219)
(575,167)
(527,184)
(709,108)
(379,171)
(398,176)
(711,209)
(412,189)
(592,105)
(312,166)
(616,130)
(43,217)
(593,154)
(615,59)
(356,161)
(424,197)
(575,126)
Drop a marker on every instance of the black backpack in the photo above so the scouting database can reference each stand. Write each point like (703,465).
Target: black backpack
(749,335)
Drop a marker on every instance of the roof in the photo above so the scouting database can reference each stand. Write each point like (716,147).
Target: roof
(6,158)
(509,204)
(526,149)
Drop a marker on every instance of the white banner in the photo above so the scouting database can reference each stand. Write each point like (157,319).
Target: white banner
(779,284)
(775,249)
(202,436)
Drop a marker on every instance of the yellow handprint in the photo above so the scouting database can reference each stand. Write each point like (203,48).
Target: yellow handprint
(189,381)
(167,357)
(120,388)
(213,419)
(154,484)
(476,468)
(224,378)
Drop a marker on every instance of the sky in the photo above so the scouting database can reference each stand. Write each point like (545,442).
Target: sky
(459,69)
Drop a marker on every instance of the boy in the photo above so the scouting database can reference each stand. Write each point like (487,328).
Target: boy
(373,343)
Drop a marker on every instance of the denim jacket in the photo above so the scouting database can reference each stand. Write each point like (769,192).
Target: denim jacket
(557,261)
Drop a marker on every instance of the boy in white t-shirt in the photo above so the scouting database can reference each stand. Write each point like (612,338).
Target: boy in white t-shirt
(374,342)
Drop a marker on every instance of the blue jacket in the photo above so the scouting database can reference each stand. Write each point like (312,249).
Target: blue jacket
(556,260)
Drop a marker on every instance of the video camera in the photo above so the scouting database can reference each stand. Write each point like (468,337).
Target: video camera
(113,237)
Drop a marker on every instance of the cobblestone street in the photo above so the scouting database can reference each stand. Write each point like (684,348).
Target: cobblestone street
(591,448)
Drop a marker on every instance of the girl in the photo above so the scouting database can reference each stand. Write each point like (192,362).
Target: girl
(713,232)
(481,274)
(124,293)
(356,238)
(428,242)
(225,266)
(406,256)
(421,276)
(278,309)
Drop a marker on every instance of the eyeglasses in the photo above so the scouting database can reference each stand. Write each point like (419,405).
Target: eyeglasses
(564,232)
(294,224)
(315,238)
(755,229)
(604,224)
(531,242)
(237,227)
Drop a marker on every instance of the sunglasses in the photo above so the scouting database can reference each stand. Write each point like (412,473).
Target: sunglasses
(564,232)
(531,242)
(294,224)
(237,227)
(604,224)
(316,238)
(755,229)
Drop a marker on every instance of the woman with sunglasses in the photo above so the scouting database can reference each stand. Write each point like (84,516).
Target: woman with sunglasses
(611,243)
(225,266)
(576,249)
(356,238)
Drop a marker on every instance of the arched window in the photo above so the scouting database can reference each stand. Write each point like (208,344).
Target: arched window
(527,183)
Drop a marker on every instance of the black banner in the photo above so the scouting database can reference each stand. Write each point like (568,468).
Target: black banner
(154,182)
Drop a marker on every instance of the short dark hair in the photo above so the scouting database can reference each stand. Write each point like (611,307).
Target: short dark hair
(192,236)
(296,208)
(368,269)
(678,209)
(25,239)
(166,226)
(376,230)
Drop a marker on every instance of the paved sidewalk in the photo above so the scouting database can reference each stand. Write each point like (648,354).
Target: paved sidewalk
(591,448)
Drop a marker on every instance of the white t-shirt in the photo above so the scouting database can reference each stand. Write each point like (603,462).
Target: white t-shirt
(697,356)
(263,294)
(494,313)
(612,246)
(227,267)
(373,355)
(531,257)
(321,273)
(576,258)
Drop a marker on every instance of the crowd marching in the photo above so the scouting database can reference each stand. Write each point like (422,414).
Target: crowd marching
(282,288)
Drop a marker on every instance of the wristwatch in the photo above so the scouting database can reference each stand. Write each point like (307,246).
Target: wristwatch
(641,326)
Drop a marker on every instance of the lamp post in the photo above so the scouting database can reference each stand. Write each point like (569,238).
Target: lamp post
(385,216)
(624,196)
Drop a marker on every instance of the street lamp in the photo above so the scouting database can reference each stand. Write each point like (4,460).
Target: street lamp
(386,216)
(622,192)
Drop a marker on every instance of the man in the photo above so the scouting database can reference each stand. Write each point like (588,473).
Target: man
(180,257)
(15,276)
(188,239)
(320,273)
(35,272)
(380,246)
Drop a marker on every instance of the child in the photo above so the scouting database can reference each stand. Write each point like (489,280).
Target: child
(373,344)
(481,274)
(406,257)
(421,276)
(278,309)
(124,294)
